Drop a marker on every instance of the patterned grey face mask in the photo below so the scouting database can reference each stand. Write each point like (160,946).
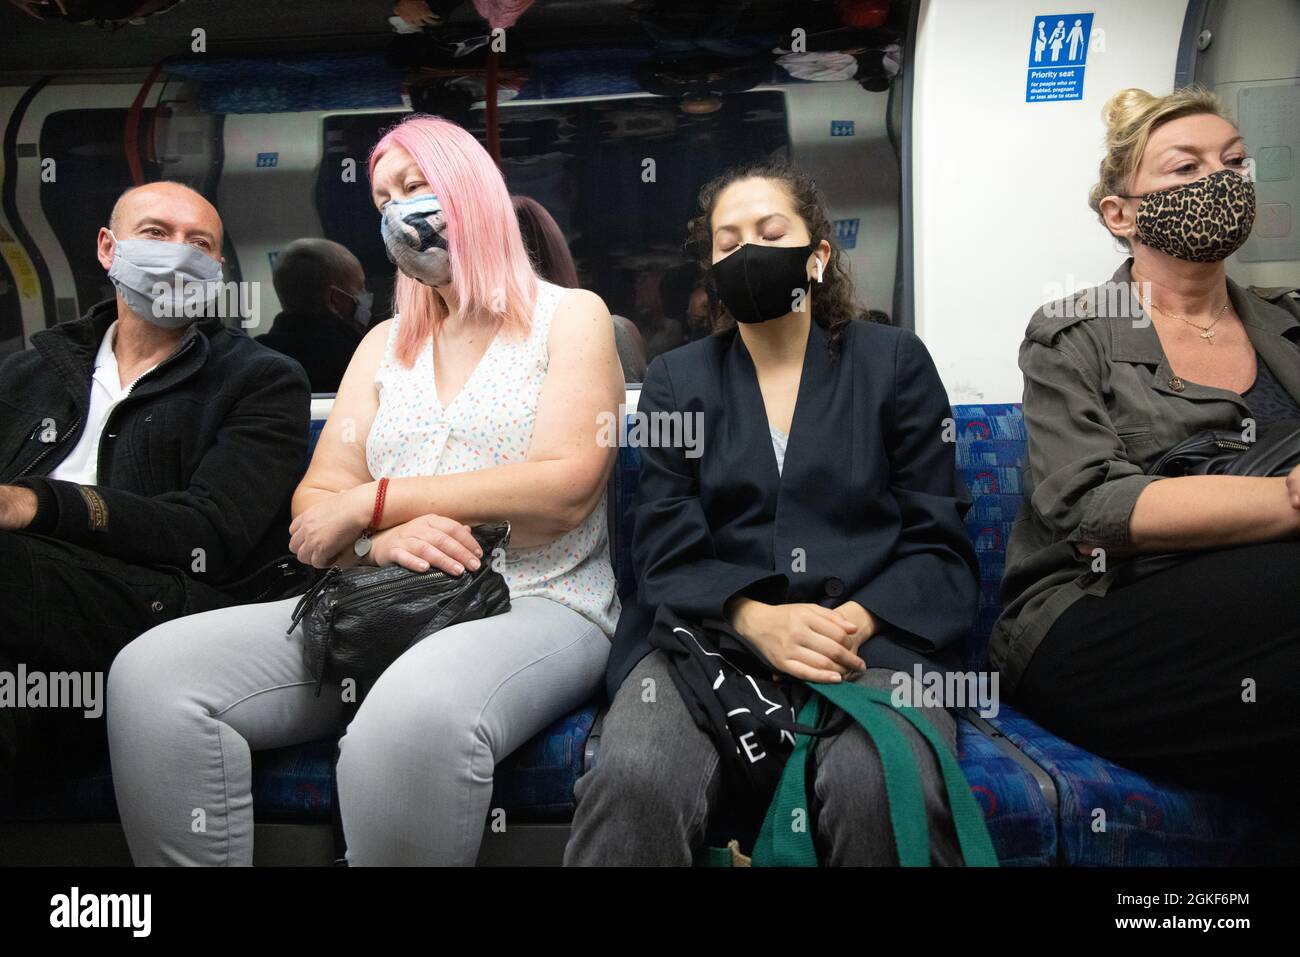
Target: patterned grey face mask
(415,238)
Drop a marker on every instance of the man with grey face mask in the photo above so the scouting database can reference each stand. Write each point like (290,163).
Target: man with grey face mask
(147,458)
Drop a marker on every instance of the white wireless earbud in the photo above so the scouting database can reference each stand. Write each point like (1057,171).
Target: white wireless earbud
(819,269)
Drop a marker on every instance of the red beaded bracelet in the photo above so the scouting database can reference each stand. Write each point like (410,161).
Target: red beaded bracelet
(362,545)
(379,507)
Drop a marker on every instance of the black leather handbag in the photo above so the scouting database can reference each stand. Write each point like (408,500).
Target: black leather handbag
(358,621)
(1275,452)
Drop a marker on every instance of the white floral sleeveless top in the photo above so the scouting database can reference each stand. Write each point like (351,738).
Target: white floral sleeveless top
(490,423)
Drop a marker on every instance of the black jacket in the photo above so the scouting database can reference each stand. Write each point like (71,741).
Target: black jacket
(205,452)
(869,507)
(322,345)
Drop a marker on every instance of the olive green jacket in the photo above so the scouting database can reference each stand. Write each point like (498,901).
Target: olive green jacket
(1101,404)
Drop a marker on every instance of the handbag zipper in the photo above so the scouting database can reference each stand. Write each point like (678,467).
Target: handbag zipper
(309,597)
(376,589)
(387,588)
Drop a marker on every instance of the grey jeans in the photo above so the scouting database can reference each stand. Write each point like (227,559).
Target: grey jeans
(189,700)
(657,779)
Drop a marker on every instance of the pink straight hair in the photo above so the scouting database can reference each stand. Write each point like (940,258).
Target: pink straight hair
(489,265)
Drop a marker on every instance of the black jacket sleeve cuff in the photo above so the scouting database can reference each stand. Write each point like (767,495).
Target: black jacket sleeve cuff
(47,506)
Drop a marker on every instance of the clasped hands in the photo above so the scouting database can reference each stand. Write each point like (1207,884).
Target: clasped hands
(323,535)
(805,640)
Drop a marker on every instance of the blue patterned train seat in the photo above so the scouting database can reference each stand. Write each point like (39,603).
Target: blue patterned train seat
(1107,814)
(1043,798)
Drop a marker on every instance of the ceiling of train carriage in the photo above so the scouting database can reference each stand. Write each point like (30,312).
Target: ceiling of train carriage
(116,34)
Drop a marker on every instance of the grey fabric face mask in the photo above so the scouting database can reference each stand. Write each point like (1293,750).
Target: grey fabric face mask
(168,284)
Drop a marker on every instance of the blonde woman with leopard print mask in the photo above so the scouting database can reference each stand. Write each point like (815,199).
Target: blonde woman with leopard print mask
(1188,668)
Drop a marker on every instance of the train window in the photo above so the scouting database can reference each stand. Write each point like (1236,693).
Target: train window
(585,162)
(86,147)
(613,136)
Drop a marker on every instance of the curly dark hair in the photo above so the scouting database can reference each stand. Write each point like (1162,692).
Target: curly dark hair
(834,305)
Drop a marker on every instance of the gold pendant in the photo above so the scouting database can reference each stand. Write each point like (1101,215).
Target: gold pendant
(1208,335)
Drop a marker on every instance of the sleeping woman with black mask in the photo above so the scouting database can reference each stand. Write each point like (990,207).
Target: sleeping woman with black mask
(818,516)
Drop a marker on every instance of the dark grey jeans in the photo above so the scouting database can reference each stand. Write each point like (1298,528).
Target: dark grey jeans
(657,779)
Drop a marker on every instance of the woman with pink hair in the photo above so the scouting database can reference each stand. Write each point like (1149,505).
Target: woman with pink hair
(478,401)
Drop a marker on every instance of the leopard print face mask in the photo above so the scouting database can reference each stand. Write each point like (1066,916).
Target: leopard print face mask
(1203,221)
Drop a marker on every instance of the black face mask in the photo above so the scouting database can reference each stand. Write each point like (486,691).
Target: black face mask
(757,282)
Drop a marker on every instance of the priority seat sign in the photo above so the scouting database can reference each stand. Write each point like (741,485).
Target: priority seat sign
(1058,54)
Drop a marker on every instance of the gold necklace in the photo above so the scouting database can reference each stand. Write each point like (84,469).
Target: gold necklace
(1207,332)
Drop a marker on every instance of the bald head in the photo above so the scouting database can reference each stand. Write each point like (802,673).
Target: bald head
(307,268)
(168,211)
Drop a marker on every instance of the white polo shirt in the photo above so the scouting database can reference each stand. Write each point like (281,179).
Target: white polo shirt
(106,391)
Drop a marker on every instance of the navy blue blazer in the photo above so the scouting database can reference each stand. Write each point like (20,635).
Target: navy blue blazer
(869,506)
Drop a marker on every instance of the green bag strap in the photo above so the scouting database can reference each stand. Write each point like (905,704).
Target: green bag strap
(968,817)
(780,845)
(777,844)
(717,857)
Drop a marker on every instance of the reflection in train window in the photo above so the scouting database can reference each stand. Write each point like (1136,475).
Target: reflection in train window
(86,146)
(620,178)
(11,328)
(614,139)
